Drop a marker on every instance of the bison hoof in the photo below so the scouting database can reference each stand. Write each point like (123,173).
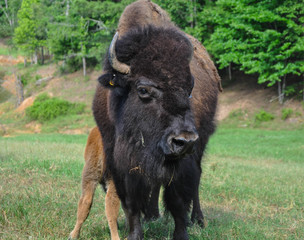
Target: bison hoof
(73,236)
(198,217)
(200,221)
(135,236)
(181,236)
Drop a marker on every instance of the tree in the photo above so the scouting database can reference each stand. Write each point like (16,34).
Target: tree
(8,16)
(184,13)
(264,37)
(81,37)
(30,34)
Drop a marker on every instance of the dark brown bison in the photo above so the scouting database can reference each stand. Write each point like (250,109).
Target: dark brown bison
(154,108)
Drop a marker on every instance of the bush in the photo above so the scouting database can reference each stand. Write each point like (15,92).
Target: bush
(46,108)
(263,116)
(71,65)
(286,113)
(239,114)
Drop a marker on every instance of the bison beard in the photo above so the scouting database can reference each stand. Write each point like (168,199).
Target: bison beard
(148,125)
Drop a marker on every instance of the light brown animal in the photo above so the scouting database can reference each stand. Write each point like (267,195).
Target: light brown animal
(92,176)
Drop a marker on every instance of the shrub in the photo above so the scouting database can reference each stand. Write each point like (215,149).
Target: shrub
(286,113)
(46,108)
(263,116)
(42,97)
(239,114)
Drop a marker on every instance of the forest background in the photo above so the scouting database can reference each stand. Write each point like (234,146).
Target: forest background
(257,37)
(51,54)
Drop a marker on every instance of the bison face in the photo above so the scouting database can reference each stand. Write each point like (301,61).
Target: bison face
(150,105)
(166,112)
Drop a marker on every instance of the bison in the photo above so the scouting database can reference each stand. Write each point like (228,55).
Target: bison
(92,175)
(154,107)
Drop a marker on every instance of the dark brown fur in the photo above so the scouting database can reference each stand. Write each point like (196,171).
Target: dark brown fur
(168,66)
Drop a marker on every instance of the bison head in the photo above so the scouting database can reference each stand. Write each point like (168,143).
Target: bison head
(150,84)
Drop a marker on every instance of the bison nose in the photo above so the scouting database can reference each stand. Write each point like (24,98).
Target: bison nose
(181,144)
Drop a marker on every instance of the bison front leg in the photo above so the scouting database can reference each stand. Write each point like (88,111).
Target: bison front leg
(152,211)
(133,220)
(135,195)
(197,214)
(135,227)
(178,208)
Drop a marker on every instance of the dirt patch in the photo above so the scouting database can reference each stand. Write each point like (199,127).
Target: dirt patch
(9,61)
(75,131)
(9,83)
(33,127)
(25,104)
(244,94)
(47,71)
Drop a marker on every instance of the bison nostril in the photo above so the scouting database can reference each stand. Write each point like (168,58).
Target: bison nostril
(180,142)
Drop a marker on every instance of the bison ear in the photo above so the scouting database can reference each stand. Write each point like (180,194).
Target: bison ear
(107,80)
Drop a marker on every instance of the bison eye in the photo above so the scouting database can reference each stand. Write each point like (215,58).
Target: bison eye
(143,92)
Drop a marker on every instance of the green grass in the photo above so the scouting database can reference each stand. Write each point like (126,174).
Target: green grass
(10,51)
(251,188)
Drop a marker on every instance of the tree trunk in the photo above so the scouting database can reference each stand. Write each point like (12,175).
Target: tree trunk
(36,57)
(19,89)
(84,65)
(67,8)
(303,88)
(229,72)
(42,55)
(5,11)
(283,88)
(280,92)
(194,13)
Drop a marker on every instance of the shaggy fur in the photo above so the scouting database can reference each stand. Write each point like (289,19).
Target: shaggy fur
(135,128)
(180,95)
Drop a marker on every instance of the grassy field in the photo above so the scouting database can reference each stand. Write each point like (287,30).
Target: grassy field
(252,188)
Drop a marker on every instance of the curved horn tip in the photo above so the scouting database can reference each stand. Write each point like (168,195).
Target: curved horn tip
(115,63)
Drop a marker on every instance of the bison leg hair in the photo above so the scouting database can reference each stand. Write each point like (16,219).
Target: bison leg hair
(197,214)
(112,204)
(91,177)
(152,211)
(84,206)
(178,207)
(133,221)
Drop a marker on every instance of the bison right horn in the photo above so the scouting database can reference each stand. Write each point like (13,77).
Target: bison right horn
(117,65)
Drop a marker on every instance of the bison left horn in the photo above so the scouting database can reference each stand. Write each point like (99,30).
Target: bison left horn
(117,65)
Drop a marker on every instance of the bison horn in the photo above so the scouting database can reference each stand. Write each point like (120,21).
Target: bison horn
(117,65)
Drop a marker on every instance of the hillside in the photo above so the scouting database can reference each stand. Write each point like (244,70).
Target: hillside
(239,103)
